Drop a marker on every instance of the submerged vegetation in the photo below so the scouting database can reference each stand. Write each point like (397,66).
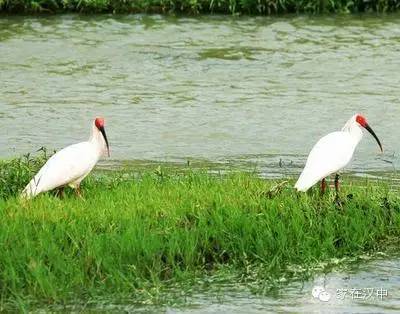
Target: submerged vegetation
(130,234)
(262,7)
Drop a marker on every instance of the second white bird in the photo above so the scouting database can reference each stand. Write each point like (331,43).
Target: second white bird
(332,153)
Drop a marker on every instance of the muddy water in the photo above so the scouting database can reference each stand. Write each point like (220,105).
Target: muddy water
(258,90)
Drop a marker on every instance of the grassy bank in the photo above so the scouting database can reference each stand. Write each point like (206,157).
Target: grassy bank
(259,7)
(129,235)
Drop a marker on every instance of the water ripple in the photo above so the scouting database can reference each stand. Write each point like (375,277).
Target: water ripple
(207,87)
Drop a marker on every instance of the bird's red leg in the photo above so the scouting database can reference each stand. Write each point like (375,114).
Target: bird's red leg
(337,184)
(60,192)
(323,186)
(78,191)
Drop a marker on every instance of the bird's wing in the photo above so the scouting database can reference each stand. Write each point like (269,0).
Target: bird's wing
(63,167)
(331,153)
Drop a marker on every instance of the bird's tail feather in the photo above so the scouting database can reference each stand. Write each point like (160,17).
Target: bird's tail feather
(304,183)
(31,190)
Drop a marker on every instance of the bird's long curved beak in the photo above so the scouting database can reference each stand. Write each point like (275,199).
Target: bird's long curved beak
(103,132)
(368,128)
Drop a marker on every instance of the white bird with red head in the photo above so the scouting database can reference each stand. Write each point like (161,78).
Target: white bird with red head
(70,165)
(332,153)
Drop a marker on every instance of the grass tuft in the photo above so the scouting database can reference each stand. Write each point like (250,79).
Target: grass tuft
(130,235)
(16,173)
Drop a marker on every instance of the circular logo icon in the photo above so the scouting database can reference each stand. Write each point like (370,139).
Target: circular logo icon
(319,292)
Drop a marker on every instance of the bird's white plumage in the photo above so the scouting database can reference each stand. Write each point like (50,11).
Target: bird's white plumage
(68,166)
(331,154)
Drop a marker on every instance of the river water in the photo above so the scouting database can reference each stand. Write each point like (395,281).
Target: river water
(221,89)
(244,91)
(368,285)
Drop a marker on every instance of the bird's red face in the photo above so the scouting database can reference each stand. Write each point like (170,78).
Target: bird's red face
(99,123)
(363,122)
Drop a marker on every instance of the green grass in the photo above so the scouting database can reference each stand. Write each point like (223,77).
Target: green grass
(16,173)
(259,7)
(129,236)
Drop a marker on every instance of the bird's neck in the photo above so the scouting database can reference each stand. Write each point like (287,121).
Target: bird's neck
(355,132)
(97,140)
